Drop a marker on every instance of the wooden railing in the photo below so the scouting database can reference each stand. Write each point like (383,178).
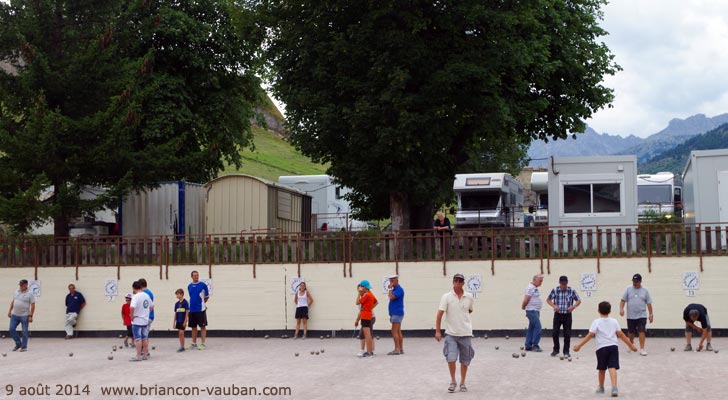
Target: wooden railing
(543,243)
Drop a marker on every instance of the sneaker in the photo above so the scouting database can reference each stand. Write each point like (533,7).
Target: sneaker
(145,358)
(393,353)
(191,346)
(708,347)
(600,390)
(126,344)
(360,354)
(181,349)
(303,337)
(69,337)
(463,388)
(367,354)
(401,352)
(688,347)
(554,353)
(201,347)
(615,393)
(135,359)
(452,387)
(23,349)
(16,348)
(567,355)
(643,352)
(528,348)
(536,349)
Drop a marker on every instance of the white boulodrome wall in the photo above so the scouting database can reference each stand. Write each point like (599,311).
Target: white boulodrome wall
(241,303)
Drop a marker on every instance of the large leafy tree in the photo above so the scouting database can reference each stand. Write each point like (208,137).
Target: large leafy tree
(398,96)
(118,94)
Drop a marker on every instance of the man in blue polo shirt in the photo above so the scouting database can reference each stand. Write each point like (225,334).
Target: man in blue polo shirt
(396,313)
(199,294)
(74,304)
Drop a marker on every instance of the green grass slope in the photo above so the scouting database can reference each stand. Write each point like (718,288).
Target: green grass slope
(273,157)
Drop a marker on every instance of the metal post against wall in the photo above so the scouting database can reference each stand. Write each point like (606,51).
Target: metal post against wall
(649,250)
(700,246)
(492,252)
(599,249)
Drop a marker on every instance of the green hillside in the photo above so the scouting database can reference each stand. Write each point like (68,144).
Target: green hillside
(273,157)
(674,160)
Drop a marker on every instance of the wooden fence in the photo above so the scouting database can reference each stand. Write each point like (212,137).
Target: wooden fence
(541,243)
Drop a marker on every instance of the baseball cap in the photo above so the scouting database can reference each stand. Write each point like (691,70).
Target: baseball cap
(23,282)
(128,296)
(458,276)
(365,284)
(563,279)
(637,277)
(394,277)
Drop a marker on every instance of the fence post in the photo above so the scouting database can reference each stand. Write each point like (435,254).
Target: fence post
(298,252)
(209,256)
(649,250)
(492,251)
(700,245)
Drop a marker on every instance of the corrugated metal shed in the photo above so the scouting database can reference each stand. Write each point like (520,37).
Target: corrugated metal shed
(238,203)
(172,208)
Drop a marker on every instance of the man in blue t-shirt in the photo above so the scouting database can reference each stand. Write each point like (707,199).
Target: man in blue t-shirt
(199,294)
(74,303)
(149,293)
(396,313)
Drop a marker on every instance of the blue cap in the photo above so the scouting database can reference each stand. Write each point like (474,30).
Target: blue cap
(365,284)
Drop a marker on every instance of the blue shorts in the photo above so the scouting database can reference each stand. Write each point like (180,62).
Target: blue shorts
(141,332)
(608,357)
(396,319)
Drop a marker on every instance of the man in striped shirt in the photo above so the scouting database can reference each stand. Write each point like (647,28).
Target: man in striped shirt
(563,299)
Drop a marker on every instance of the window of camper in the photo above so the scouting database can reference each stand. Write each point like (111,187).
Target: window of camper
(479,201)
(592,197)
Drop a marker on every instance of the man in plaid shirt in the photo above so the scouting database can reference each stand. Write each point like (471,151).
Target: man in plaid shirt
(563,299)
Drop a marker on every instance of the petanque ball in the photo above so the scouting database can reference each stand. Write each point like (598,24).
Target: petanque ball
(5,354)
(313,352)
(672,349)
(561,358)
(377,337)
(507,337)
(569,359)
(715,351)
(485,336)
(266,337)
(296,354)
(154,347)
(317,353)
(328,336)
(580,335)
(322,351)
(497,347)
(121,336)
(70,354)
(523,354)
(110,357)
(523,348)
(514,355)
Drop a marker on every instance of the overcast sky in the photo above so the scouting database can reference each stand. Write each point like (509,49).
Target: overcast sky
(675,59)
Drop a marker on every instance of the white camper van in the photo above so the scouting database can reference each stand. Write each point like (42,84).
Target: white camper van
(655,194)
(540,186)
(329,209)
(488,200)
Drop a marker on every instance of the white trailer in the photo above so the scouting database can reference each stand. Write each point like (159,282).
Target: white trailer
(705,191)
(488,200)
(655,194)
(540,186)
(329,209)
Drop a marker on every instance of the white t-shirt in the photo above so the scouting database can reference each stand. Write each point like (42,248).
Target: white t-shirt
(535,302)
(457,313)
(605,331)
(142,304)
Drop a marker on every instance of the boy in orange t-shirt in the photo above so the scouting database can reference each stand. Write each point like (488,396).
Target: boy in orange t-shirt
(365,298)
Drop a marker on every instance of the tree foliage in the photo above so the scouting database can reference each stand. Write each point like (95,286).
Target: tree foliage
(398,96)
(118,94)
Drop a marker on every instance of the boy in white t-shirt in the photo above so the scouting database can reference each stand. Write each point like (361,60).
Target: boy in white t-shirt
(606,331)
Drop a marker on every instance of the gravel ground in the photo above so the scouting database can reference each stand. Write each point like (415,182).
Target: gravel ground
(241,367)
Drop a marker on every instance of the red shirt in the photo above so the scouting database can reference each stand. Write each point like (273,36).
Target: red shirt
(126,314)
(367,304)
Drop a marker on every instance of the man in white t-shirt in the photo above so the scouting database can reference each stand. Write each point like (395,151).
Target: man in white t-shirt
(456,306)
(532,305)
(606,331)
(140,307)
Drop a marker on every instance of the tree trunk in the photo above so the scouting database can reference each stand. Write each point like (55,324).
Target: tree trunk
(400,209)
(421,217)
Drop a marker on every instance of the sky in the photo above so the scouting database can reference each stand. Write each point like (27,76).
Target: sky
(675,59)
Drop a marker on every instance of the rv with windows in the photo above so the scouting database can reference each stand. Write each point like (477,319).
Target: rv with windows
(655,195)
(330,210)
(540,186)
(488,200)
